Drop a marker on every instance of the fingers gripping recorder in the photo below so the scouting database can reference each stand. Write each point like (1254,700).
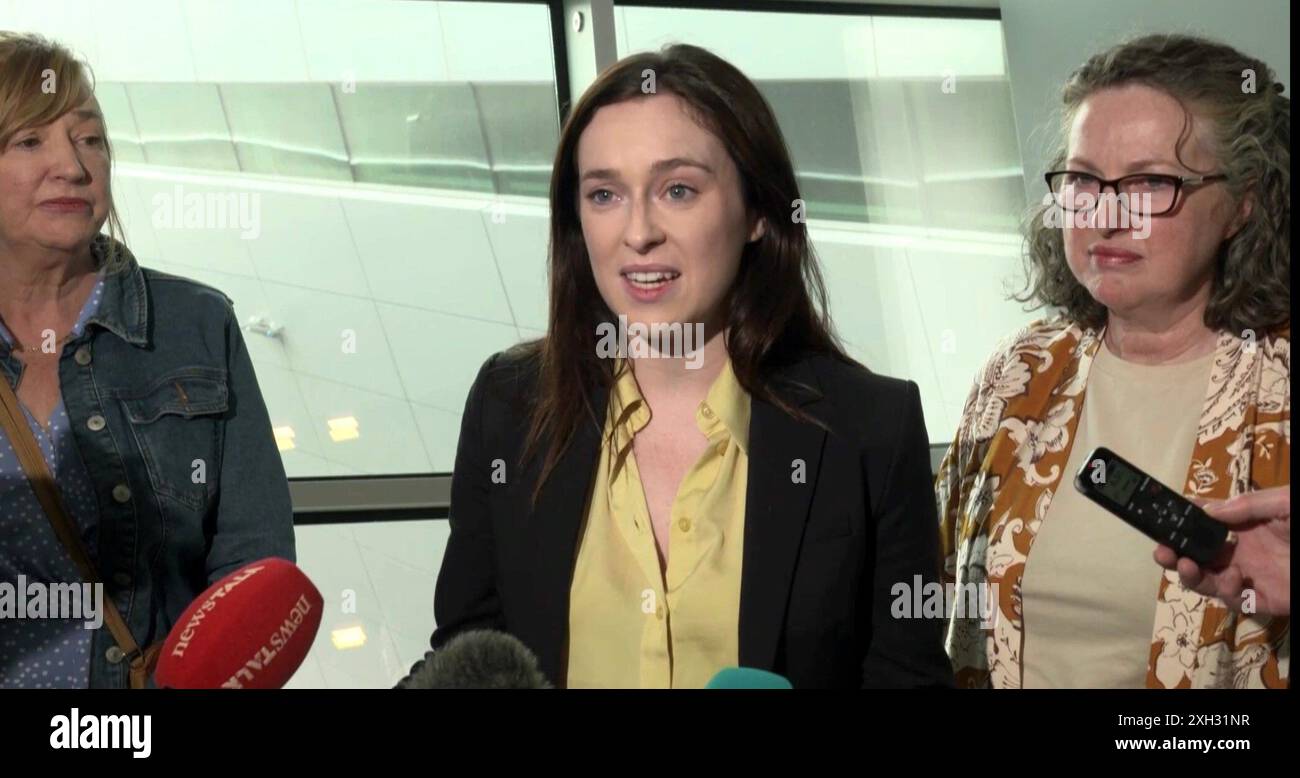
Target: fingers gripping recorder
(1157,511)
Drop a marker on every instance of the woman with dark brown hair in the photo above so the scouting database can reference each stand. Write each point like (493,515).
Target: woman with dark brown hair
(687,473)
(1169,344)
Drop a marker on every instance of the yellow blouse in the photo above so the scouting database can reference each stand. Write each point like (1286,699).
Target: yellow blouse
(631,626)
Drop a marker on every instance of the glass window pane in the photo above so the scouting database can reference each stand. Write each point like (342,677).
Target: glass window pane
(378,581)
(522,132)
(117,114)
(338,169)
(816,117)
(182,125)
(286,130)
(416,135)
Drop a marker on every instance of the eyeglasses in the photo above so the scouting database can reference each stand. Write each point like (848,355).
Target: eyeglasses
(1141,194)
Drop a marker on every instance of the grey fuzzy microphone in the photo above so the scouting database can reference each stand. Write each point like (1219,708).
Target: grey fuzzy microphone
(479,659)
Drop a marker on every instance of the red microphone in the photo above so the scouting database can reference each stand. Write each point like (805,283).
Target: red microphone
(250,630)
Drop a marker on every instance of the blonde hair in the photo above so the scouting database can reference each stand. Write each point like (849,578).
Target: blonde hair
(1250,134)
(28,63)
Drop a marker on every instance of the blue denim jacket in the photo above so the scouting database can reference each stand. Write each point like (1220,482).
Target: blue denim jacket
(167,415)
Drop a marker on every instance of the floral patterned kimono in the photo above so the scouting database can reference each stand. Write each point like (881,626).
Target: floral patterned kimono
(998,477)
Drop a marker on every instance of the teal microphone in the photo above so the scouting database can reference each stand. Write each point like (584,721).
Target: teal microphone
(747,678)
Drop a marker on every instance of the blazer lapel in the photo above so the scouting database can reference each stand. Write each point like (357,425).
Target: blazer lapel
(552,534)
(776,509)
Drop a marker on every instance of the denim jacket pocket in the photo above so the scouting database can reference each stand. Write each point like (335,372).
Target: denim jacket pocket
(177,424)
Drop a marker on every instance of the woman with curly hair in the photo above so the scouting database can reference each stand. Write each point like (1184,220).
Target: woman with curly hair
(1164,254)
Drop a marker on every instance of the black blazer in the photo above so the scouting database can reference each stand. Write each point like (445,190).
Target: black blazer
(820,557)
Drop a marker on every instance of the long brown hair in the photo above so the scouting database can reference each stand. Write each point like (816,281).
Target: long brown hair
(1250,133)
(776,310)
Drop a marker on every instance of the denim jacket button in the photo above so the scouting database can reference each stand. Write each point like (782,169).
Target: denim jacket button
(122,493)
(95,423)
(82,356)
(122,579)
(114,655)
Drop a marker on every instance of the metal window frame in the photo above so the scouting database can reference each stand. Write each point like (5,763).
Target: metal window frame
(823,7)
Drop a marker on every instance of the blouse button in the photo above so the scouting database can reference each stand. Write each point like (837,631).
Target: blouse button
(114,655)
(122,493)
(95,423)
(82,357)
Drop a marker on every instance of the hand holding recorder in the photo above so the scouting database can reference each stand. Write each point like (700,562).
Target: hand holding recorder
(1253,571)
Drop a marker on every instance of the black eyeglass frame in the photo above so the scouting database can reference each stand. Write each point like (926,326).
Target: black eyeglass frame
(1179,183)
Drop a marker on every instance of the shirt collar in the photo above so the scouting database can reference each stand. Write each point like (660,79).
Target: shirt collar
(725,409)
(124,306)
(628,411)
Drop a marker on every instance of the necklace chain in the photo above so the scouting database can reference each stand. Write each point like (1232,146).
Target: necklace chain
(57,343)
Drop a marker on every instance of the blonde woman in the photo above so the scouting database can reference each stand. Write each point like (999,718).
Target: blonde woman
(1171,346)
(130,382)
